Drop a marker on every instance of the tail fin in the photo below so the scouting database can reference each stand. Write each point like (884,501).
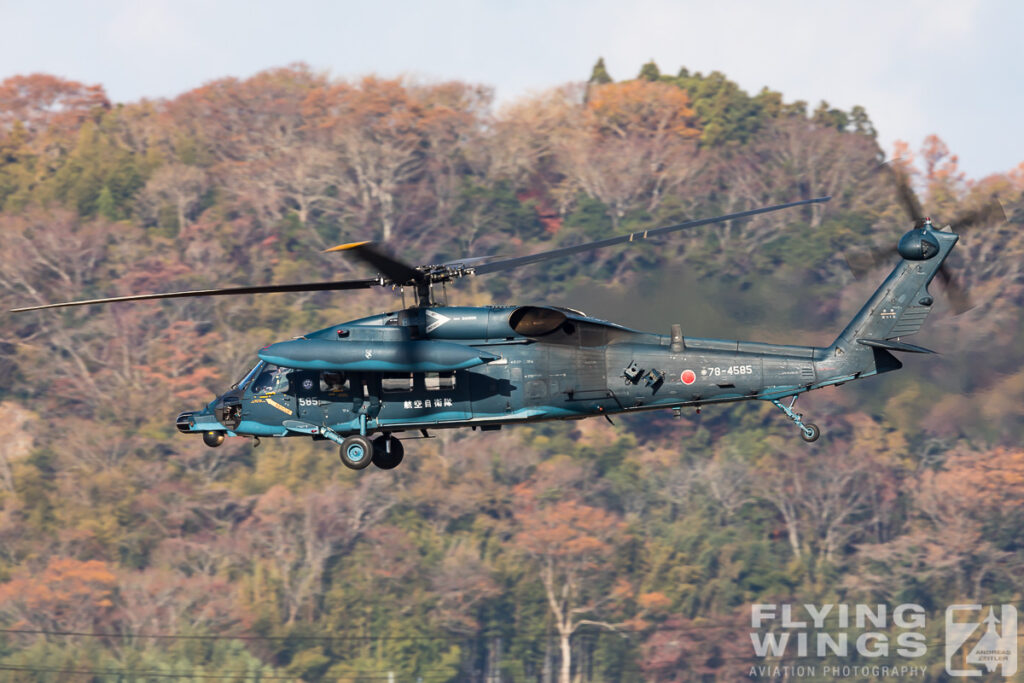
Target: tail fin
(896,309)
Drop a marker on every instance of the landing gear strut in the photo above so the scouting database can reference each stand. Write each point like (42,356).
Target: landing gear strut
(808,432)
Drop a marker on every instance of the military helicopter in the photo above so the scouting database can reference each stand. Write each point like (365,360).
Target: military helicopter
(433,366)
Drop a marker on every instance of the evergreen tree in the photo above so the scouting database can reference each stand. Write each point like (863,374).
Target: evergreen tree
(105,204)
(650,71)
(727,114)
(861,122)
(599,74)
(830,117)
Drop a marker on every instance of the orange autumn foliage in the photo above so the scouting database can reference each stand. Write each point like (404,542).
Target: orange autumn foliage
(642,108)
(41,102)
(68,593)
(567,530)
(984,480)
(176,361)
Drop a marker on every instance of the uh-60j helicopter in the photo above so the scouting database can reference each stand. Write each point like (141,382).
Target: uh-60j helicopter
(432,366)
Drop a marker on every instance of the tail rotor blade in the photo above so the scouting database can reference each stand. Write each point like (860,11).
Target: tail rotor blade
(991,212)
(959,301)
(905,193)
(909,200)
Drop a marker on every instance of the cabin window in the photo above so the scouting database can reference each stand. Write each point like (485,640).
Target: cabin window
(393,383)
(439,381)
(333,382)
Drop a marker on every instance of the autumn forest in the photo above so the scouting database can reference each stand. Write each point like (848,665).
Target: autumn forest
(565,551)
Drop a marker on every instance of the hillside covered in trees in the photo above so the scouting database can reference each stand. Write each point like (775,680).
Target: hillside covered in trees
(602,552)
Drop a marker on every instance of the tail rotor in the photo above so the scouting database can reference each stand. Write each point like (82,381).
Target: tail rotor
(863,261)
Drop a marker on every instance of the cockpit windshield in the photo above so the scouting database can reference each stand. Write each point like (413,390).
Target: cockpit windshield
(242,383)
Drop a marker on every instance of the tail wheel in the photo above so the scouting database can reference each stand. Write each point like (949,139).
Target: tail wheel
(356,452)
(388,452)
(810,432)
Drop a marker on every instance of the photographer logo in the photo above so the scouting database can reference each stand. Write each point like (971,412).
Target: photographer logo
(980,639)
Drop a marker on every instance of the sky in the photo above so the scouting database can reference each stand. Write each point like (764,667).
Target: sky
(949,67)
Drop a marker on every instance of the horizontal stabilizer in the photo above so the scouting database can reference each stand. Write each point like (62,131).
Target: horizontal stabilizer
(891,345)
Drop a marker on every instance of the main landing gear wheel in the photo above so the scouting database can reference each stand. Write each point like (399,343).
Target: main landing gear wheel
(387,452)
(356,452)
(810,432)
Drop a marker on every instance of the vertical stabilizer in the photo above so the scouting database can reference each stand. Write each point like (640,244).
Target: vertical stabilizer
(896,310)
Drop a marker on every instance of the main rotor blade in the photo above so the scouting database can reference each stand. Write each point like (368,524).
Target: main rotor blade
(395,270)
(506,264)
(263,289)
(467,262)
(863,261)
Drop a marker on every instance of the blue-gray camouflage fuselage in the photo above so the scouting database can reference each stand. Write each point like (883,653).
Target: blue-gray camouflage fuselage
(438,367)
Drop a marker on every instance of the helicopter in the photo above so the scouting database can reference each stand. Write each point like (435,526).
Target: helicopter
(366,384)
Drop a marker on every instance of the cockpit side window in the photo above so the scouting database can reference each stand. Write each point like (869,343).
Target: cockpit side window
(272,380)
(242,383)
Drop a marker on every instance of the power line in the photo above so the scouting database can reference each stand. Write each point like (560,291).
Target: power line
(238,636)
(588,630)
(132,672)
(317,638)
(423,676)
(589,635)
(724,660)
(381,676)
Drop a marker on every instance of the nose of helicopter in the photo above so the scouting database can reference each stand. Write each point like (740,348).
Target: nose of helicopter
(185,422)
(192,421)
